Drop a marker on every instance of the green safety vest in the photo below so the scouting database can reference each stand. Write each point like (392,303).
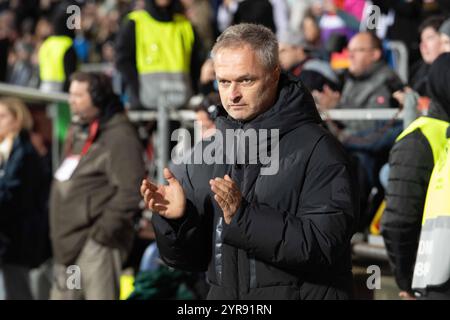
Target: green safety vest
(51,58)
(163,57)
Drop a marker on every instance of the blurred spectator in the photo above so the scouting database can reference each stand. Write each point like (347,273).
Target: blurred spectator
(312,33)
(250,11)
(369,83)
(7,38)
(4,49)
(43,30)
(280,15)
(406,17)
(208,81)
(430,49)
(57,57)
(94,196)
(334,20)
(411,162)
(171,66)
(201,15)
(23,72)
(444,31)
(298,11)
(255,11)
(294,55)
(225,14)
(23,188)
(207,112)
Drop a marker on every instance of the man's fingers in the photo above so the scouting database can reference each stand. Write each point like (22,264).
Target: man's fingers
(147,185)
(223,184)
(151,185)
(220,189)
(222,203)
(147,195)
(228,179)
(143,189)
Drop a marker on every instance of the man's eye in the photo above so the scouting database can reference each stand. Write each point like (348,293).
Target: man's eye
(224,82)
(247,81)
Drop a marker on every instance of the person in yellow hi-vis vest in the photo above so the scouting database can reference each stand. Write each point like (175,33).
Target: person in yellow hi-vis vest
(57,57)
(432,268)
(411,162)
(158,55)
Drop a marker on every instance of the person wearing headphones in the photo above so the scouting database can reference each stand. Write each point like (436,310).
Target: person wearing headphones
(94,195)
(207,112)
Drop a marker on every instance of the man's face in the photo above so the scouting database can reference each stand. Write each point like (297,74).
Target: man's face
(361,53)
(246,87)
(430,45)
(81,103)
(163,3)
(289,55)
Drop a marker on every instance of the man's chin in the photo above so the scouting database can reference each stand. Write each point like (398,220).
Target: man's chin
(238,116)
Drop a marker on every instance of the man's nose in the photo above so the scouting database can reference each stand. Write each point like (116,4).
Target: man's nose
(235,92)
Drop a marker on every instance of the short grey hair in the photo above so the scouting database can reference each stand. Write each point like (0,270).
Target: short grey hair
(261,39)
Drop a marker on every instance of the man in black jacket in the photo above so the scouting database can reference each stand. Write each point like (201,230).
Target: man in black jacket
(278,230)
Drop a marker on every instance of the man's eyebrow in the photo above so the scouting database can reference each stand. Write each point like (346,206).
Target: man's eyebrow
(245,76)
(240,78)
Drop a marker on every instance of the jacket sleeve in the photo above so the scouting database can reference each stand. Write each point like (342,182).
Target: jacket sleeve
(70,66)
(184,243)
(318,235)
(126,59)
(125,171)
(198,57)
(411,164)
(11,182)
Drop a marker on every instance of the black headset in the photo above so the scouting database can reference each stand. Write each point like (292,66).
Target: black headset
(100,90)
(213,109)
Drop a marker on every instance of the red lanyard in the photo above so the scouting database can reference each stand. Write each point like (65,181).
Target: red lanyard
(93,131)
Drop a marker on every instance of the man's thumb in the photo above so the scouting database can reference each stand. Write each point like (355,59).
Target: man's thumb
(168,175)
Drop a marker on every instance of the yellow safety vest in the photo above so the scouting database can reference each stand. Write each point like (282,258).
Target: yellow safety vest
(162,46)
(432,266)
(51,58)
(433,129)
(163,57)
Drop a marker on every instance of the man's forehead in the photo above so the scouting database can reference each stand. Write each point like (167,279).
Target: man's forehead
(360,40)
(236,62)
(75,84)
(78,87)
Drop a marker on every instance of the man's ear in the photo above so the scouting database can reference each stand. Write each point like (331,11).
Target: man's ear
(377,54)
(276,73)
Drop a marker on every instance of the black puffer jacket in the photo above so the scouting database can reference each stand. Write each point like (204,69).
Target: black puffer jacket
(290,239)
